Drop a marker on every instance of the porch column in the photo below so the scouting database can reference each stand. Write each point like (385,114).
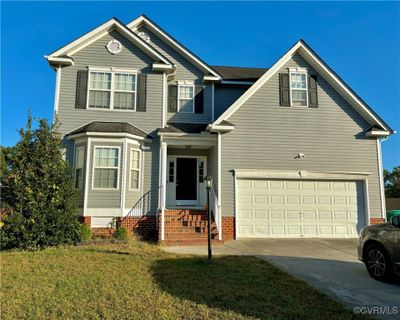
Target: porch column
(163,177)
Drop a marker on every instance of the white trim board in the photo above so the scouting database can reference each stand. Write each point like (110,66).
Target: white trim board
(112,24)
(306,52)
(133,25)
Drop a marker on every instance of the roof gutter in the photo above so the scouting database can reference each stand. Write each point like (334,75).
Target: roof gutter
(220,128)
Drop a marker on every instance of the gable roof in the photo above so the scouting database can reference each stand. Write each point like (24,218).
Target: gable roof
(113,24)
(153,27)
(240,73)
(322,68)
(111,127)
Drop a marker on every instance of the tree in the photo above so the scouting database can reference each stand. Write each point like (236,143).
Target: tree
(5,155)
(392,182)
(38,190)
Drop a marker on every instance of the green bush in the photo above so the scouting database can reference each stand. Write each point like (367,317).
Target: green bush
(37,192)
(86,233)
(121,234)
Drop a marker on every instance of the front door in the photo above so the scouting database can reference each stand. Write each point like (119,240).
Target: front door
(186,181)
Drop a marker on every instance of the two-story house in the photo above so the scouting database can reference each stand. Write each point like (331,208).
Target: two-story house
(292,150)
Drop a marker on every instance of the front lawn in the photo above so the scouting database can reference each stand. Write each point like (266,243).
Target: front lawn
(139,281)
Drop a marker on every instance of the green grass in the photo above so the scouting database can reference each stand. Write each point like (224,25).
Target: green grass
(139,281)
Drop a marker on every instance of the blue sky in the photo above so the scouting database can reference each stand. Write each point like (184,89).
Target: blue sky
(359,40)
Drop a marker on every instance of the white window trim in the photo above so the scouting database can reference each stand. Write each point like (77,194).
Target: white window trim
(130,169)
(299,71)
(186,84)
(97,167)
(112,71)
(82,148)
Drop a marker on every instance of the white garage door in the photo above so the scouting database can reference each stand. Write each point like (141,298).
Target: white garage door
(291,208)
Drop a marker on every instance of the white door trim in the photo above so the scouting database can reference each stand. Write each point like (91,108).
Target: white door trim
(194,202)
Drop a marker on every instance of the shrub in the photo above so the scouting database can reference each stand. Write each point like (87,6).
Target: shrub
(121,234)
(38,192)
(86,233)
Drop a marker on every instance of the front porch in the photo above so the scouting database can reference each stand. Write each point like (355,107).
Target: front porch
(185,161)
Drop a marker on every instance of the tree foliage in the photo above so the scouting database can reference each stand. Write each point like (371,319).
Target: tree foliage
(392,182)
(39,207)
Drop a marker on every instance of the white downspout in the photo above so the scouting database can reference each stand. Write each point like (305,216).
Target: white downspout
(88,152)
(165,97)
(219,185)
(381,179)
(57,91)
(124,166)
(163,187)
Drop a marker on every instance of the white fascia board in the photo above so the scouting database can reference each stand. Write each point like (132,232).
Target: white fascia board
(155,29)
(163,67)
(82,42)
(105,134)
(377,133)
(211,78)
(219,128)
(59,61)
(321,68)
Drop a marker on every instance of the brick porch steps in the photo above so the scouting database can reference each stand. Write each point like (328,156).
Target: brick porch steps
(187,227)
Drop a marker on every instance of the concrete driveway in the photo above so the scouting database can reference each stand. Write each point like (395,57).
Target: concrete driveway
(330,265)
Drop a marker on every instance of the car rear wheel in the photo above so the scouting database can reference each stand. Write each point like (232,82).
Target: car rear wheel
(377,262)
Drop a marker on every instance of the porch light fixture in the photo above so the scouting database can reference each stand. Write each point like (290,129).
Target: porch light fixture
(208,184)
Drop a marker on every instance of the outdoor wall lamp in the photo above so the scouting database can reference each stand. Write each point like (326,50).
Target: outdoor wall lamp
(208,182)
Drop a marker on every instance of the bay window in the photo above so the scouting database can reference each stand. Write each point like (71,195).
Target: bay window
(79,161)
(134,183)
(106,167)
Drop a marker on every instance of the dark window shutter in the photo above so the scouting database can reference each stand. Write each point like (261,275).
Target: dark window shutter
(172,98)
(284,89)
(312,91)
(199,100)
(81,89)
(141,93)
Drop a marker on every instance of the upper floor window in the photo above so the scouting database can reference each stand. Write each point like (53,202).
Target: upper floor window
(106,168)
(298,88)
(112,90)
(186,98)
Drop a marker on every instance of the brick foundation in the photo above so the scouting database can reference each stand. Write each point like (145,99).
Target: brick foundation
(376,220)
(145,227)
(228,228)
(186,227)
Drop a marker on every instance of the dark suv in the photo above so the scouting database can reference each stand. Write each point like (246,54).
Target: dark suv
(379,249)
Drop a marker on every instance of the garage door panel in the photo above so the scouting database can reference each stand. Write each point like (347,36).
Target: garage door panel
(291,208)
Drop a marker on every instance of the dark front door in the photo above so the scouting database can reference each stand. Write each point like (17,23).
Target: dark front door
(186,179)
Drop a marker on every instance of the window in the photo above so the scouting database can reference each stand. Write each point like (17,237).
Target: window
(135,170)
(201,171)
(298,89)
(171,173)
(186,98)
(106,168)
(112,90)
(79,161)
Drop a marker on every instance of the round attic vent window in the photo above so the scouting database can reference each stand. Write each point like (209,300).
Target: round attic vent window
(114,46)
(144,35)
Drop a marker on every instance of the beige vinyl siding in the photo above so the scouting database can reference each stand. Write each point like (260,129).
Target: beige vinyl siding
(96,54)
(185,70)
(268,136)
(104,198)
(225,96)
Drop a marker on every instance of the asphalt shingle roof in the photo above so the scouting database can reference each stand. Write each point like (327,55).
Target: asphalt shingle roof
(240,73)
